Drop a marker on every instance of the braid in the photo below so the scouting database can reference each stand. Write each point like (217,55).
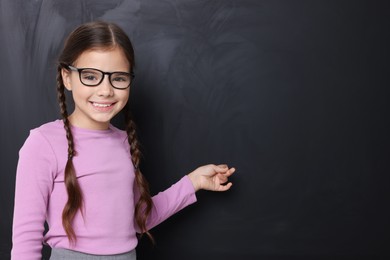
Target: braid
(75,198)
(144,205)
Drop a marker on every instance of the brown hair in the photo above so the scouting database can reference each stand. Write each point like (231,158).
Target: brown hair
(89,36)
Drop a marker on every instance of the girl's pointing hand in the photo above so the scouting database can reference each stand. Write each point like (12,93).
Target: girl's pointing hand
(212,177)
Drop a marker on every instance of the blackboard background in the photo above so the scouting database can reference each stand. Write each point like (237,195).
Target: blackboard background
(294,94)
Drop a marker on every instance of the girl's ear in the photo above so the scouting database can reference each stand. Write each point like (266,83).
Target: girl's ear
(66,78)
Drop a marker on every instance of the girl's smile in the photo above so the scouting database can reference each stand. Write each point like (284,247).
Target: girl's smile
(102,106)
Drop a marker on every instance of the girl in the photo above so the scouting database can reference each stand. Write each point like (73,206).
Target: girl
(81,174)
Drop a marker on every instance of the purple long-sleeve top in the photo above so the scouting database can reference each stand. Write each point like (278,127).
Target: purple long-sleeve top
(106,176)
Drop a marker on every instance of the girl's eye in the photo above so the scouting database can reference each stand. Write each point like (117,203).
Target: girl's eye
(122,78)
(90,76)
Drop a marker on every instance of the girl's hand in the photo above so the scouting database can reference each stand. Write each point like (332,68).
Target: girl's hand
(211,177)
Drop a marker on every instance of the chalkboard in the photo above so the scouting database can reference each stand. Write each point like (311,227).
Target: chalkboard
(294,94)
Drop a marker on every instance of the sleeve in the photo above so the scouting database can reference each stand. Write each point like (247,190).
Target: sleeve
(34,182)
(169,202)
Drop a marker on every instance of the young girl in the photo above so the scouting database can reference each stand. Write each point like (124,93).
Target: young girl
(81,174)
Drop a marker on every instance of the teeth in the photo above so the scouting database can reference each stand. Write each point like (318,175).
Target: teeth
(101,105)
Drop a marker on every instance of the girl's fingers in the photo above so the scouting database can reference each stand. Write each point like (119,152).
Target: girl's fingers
(223,179)
(225,187)
(229,172)
(222,165)
(220,168)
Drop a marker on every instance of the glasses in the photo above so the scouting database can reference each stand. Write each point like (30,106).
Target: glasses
(93,77)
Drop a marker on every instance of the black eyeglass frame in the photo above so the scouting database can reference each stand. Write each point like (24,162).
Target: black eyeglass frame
(79,70)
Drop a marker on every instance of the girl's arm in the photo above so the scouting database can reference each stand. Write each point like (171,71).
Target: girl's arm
(181,194)
(33,186)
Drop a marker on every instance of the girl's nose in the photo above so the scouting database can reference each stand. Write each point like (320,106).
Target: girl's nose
(105,88)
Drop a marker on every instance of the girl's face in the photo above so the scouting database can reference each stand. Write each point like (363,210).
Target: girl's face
(96,106)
